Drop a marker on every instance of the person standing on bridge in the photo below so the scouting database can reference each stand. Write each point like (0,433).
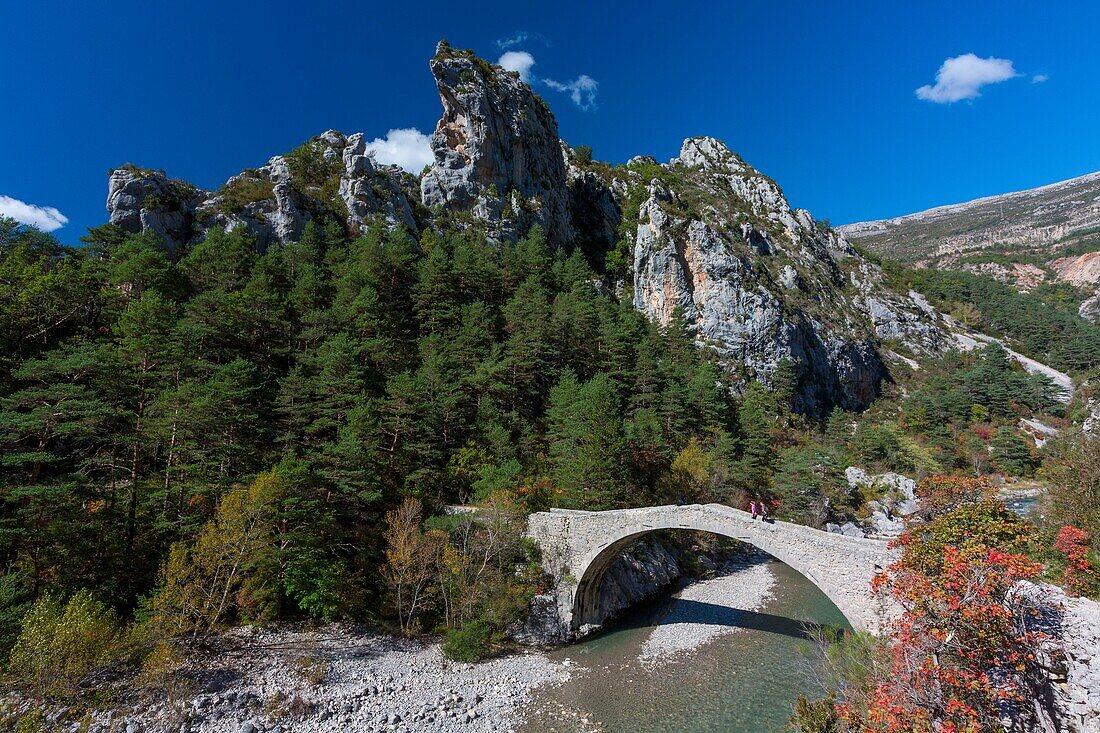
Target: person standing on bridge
(763,510)
(752,508)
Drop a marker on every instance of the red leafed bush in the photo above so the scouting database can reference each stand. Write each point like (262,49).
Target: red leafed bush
(1079,577)
(962,653)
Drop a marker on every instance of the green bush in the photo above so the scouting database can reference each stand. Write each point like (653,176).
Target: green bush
(470,642)
(243,191)
(60,644)
(814,716)
(14,603)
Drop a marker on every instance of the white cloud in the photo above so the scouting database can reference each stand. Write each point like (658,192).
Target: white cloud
(518,61)
(1039,78)
(582,90)
(46,218)
(409,148)
(962,77)
(514,40)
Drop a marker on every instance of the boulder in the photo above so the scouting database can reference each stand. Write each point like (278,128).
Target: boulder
(884,525)
(850,529)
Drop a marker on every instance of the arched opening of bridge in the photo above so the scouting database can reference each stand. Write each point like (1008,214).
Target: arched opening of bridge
(590,610)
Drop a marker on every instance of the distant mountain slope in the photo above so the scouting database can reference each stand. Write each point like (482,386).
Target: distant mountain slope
(1046,218)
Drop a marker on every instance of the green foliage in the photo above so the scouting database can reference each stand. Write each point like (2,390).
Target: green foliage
(816,716)
(1050,334)
(470,642)
(985,523)
(244,190)
(317,175)
(587,441)
(14,603)
(810,485)
(62,643)
(202,581)
(1074,484)
(140,397)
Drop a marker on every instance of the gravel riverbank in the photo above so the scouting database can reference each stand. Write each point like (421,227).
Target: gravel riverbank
(339,679)
(343,678)
(710,608)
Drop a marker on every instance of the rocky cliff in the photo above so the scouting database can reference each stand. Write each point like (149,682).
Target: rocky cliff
(329,177)
(496,151)
(717,244)
(711,239)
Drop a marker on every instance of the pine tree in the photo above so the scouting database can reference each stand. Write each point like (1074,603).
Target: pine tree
(529,351)
(587,442)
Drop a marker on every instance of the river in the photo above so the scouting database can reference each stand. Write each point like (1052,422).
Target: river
(745,681)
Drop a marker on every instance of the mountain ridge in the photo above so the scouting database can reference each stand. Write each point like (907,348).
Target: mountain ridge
(705,237)
(1032,218)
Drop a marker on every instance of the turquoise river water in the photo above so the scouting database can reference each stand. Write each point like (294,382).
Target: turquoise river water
(741,682)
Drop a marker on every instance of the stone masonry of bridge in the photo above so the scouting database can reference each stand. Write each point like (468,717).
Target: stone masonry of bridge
(578,546)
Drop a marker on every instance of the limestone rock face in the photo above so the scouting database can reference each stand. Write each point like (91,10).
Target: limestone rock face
(496,150)
(595,207)
(278,216)
(897,502)
(369,188)
(761,283)
(714,240)
(1090,308)
(144,200)
(1071,654)
(330,176)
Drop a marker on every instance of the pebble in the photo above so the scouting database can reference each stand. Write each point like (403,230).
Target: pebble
(375,684)
(745,586)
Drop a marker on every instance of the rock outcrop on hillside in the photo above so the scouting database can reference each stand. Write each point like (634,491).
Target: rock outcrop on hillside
(718,244)
(1070,629)
(713,239)
(496,151)
(148,201)
(330,176)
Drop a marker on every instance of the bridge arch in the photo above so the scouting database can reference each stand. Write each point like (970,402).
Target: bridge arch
(578,547)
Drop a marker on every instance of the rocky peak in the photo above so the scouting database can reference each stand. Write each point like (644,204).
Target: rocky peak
(144,200)
(712,238)
(761,283)
(708,153)
(496,150)
(329,176)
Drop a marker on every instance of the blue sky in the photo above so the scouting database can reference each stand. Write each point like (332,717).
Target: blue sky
(824,99)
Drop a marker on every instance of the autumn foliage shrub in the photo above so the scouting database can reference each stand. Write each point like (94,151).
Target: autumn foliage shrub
(963,650)
(941,494)
(1079,576)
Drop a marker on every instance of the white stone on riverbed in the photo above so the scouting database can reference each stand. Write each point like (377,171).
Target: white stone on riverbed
(369,683)
(714,609)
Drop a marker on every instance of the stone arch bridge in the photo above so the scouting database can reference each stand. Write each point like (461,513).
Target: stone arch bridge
(578,547)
